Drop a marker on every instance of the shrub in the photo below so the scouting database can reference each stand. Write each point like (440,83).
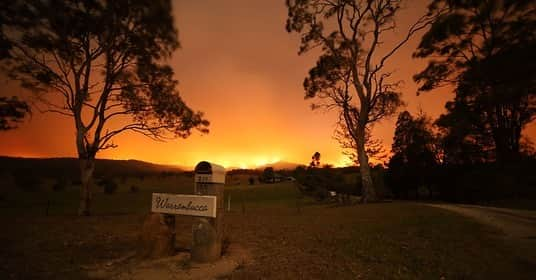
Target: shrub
(27,181)
(317,182)
(320,194)
(60,185)
(134,189)
(109,185)
(268,175)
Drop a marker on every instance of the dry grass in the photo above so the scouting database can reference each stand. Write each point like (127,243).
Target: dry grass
(317,241)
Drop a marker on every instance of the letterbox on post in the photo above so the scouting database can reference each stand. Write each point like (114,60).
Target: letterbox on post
(208,232)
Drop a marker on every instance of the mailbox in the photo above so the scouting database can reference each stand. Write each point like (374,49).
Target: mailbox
(207,174)
(208,232)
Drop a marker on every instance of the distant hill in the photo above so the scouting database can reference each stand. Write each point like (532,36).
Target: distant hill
(69,167)
(280,165)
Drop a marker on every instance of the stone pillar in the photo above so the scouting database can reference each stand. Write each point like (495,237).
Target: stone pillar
(208,232)
(158,236)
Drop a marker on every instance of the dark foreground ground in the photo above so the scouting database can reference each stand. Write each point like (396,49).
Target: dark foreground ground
(289,238)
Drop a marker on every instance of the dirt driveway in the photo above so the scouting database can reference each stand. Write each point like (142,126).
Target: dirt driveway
(517,224)
(516,227)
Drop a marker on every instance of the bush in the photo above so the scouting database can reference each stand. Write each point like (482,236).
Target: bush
(109,185)
(471,183)
(317,182)
(60,185)
(134,189)
(320,194)
(27,181)
(268,175)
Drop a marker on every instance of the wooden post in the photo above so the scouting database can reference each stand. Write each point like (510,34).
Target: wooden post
(243,203)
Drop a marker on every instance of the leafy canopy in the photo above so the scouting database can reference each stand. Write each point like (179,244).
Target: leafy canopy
(485,49)
(101,63)
(12,111)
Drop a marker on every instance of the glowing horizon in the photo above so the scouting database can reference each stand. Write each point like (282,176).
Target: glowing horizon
(239,66)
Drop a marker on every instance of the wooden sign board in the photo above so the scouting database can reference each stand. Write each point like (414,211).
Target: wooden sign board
(179,204)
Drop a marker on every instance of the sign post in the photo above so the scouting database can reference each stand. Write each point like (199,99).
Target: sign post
(207,204)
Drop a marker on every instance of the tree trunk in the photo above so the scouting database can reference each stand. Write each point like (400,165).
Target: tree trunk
(368,193)
(87,166)
(506,135)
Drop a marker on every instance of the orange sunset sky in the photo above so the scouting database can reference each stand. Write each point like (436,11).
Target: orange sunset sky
(239,66)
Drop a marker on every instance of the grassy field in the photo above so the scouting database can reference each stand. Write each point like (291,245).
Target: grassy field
(290,237)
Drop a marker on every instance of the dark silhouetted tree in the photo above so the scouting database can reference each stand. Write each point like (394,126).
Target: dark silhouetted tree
(315,160)
(486,50)
(527,147)
(102,64)
(350,73)
(464,139)
(268,175)
(5,45)
(12,111)
(373,146)
(414,154)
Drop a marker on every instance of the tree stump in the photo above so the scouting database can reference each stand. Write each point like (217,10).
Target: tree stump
(158,236)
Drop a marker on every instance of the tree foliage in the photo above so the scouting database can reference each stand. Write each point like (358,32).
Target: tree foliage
(486,50)
(315,160)
(101,63)
(414,154)
(464,140)
(414,141)
(350,74)
(373,146)
(12,111)
(268,175)
(103,59)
